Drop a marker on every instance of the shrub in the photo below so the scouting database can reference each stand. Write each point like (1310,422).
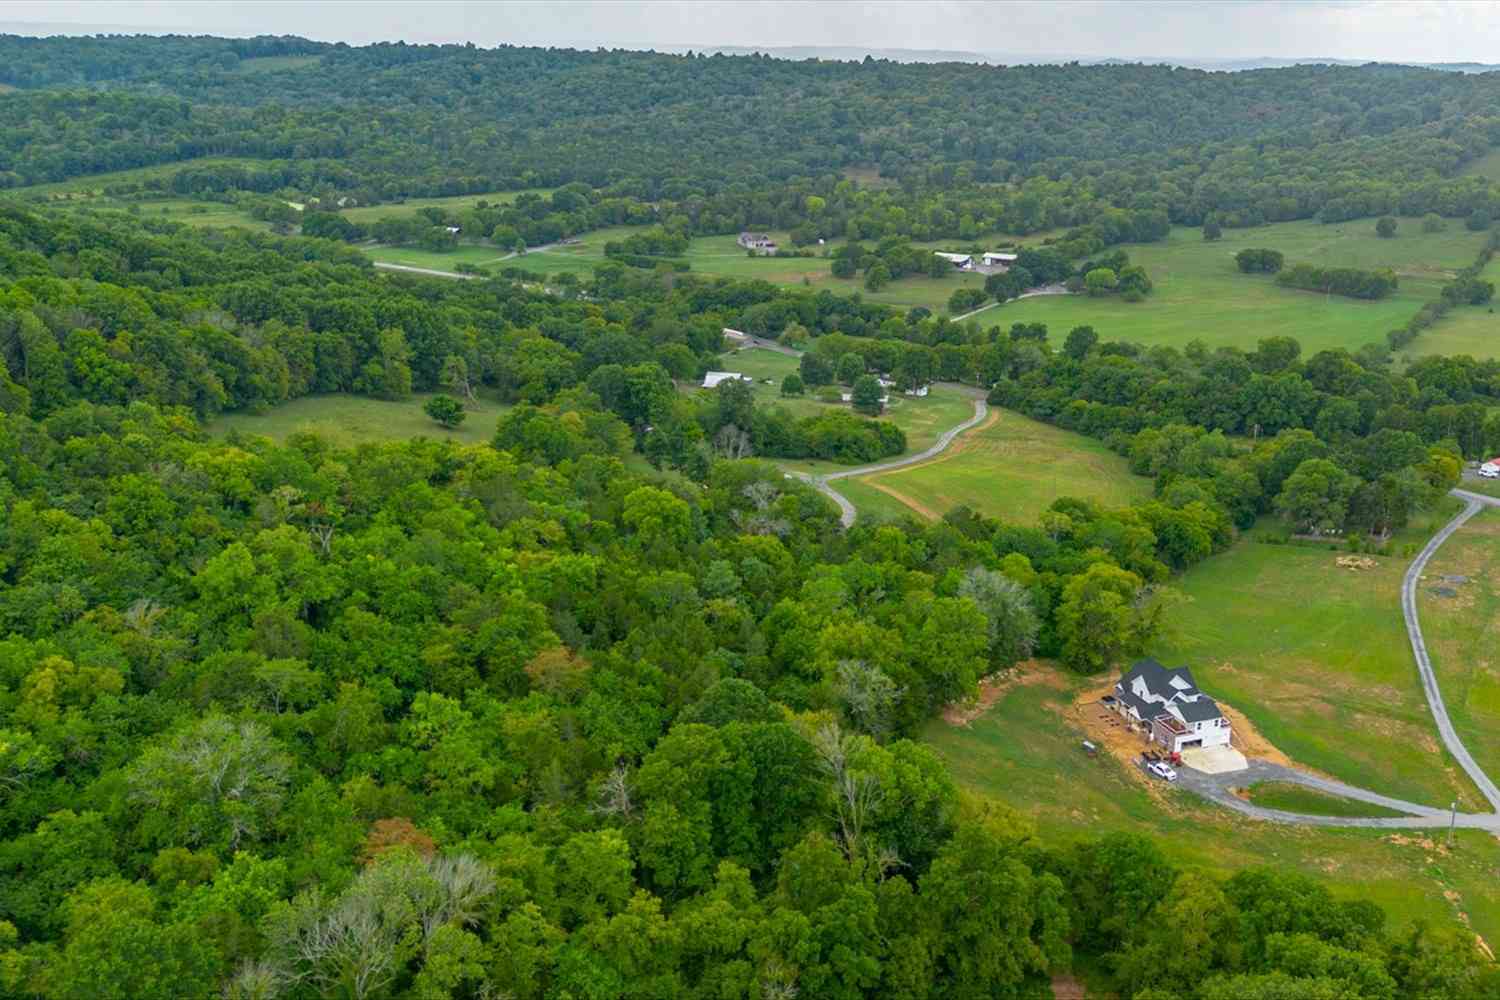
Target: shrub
(1385,228)
(1259,261)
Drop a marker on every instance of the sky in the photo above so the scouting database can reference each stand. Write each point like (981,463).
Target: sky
(1386,30)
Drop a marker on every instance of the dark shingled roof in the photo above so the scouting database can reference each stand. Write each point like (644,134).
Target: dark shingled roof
(1199,711)
(1159,681)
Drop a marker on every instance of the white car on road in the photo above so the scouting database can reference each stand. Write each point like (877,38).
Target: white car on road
(1162,771)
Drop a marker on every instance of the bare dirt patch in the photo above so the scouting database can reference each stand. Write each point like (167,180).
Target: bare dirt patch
(993,688)
(1065,987)
(902,498)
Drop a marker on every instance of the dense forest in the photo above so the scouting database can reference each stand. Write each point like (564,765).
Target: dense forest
(972,147)
(608,706)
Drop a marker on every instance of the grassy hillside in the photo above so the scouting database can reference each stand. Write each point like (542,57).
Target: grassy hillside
(1487,165)
(1025,753)
(1459,625)
(351,420)
(1316,656)
(1471,330)
(1201,295)
(1009,467)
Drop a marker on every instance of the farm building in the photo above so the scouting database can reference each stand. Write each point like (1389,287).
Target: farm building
(1167,702)
(759,242)
(919,391)
(712,379)
(962,261)
(999,262)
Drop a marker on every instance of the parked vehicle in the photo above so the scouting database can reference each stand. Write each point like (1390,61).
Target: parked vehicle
(1162,771)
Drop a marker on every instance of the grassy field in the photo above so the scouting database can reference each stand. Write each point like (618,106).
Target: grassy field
(1487,165)
(352,420)
(490,258)
(923,419)
(1471,330)
(1200,294)
(1289,797)
(1316,656)
(1024,753)
(457,203)
(91,187)
(711,256)
(275,64)
(1460,627)
(1009,467)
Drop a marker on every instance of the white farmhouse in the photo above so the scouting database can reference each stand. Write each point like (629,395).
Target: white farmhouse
(1167,702)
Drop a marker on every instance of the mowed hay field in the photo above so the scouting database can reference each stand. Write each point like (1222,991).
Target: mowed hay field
(1316,656)
(1023,752)
(1201,295)
(1460,624)
(353,420)
(1010,467)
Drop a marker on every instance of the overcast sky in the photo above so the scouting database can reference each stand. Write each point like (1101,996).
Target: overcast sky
(1394,30)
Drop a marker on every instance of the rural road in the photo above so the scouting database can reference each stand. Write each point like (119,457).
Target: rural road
(435,273)
(1473,504)
(847,513)
(1219,788)
(1044,290)
(430,271)
(822,484)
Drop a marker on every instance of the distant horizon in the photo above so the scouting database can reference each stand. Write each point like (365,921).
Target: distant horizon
(61,29)
(1179,32)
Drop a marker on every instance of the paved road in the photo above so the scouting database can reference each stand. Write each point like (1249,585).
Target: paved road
(1044,290)
(1219,788)
(1473,504)
(429,271)
(847,513)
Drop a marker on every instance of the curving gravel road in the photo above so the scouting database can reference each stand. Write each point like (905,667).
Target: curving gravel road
(1474,503)
(1219,787)
(847,513)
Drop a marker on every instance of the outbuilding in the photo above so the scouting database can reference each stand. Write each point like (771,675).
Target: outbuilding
(712,379)
(962,261)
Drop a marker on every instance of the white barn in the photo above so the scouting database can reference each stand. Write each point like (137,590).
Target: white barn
(712,379)
(962,261)
(1001,262)
(1167,702)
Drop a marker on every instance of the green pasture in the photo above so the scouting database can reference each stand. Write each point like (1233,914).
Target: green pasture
(1487,165)
(490,258)
(275,64)
(1024,752)
(1201,295)
(1010,467)
(1316,656)
(349,420)
(1459,623)
(1290,797)
(92,186)
(365,214)
(1471,330)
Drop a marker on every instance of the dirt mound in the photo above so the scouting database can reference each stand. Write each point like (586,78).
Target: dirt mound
(1355,562)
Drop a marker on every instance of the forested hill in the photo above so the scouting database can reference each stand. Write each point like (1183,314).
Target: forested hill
(466,118)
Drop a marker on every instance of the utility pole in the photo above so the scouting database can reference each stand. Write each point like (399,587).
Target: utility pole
(1452,820)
